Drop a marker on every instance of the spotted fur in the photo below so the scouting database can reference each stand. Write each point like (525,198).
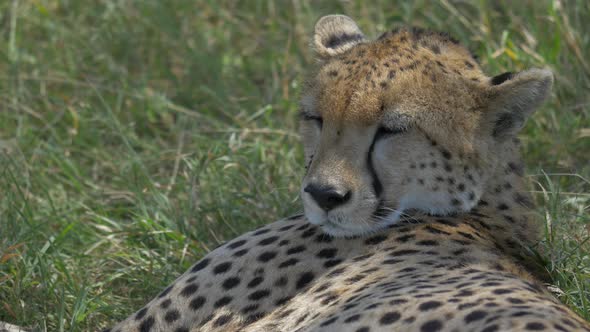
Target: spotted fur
(410,114)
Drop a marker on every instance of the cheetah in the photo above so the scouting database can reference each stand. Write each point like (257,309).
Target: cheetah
(416,212)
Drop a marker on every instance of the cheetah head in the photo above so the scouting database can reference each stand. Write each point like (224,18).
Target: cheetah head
(406,122)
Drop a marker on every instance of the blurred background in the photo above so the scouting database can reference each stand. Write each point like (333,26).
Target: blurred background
(135,136)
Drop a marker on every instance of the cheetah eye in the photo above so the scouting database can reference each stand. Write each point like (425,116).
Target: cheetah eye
(309,117)
(384,132)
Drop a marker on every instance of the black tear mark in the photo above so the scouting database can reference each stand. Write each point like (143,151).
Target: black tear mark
(499,79)
(377,185)
(337,40)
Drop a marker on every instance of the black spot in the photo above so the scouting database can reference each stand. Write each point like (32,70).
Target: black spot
(391,74)
(446,154)
(336,272)
(389,318)
(171,316)
(206,319)
(147,324)
(464,293)
(429,305)
(327,253)
(189,290)
(222,301)
(431,326)
(250,308)
(304,226)
(283,300)
(363,329)
(254,317)
(308,233)
(352,318)
(491,328)
(267,256)
(222,320)
(255,282)
(499,79)
(523,200)
(200,265)
(165,292)
(516,168)
(259,294)
(222,268)
(427,243)
(466,235)
(434,230)
(535,326)
(197,302)
(375,239)
(405,238)
(284,228)
(281,282)
(329,321)
(288,262)
(262,231)
(140,314)
(304,279)
(475,315)
(236,244)
(332,262)
(230,283)
(165,304)
(268,240)
(502,207)
(404,252)
(329,299)
(514,300)
(295,250)
(240,253)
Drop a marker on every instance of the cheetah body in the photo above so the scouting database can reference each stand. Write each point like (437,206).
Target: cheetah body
(451,261)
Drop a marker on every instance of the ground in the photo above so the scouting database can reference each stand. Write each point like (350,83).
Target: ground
(135,138)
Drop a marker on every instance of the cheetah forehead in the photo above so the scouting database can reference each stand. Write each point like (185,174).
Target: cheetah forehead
(422,74)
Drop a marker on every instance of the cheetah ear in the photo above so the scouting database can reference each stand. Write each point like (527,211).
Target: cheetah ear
(335,34)
(514,97)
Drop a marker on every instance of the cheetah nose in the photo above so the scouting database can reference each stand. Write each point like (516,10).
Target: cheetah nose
(327,197)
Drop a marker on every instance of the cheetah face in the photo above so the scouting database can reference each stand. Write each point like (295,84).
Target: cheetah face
(407,122)
(363,178)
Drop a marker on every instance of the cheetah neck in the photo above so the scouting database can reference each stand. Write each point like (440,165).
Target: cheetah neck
(506,210)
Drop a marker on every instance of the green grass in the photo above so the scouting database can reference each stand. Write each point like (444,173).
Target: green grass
(135,136)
